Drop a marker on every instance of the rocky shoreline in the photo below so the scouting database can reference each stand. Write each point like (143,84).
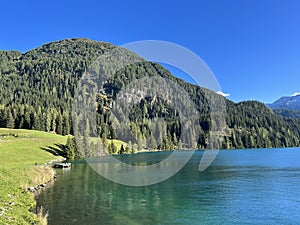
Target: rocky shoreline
(33,189)
(41,186)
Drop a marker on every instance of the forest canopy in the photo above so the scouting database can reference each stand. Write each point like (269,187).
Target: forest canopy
(38,89)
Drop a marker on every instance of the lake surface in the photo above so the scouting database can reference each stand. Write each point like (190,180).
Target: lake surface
(240,187)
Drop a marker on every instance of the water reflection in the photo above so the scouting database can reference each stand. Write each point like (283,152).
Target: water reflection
(240,187)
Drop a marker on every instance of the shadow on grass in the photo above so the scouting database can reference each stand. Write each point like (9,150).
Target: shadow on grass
(58,150)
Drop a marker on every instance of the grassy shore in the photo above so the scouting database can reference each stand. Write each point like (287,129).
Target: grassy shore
(22,156)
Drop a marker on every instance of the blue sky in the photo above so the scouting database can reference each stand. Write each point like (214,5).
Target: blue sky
(252,46)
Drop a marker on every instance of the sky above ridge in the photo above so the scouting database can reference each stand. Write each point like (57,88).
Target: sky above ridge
(252,46)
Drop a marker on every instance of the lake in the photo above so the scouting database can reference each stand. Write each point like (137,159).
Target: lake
(259,186)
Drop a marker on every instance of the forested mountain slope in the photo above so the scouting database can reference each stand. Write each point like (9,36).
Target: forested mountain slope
(38,87)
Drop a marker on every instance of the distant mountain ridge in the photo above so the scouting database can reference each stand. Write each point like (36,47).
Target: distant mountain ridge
(287,102)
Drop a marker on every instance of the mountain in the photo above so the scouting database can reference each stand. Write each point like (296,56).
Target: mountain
(288,106)
(40,85)
(288,113)
(288,102)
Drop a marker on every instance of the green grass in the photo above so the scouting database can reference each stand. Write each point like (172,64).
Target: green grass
(117,143)
(20,150)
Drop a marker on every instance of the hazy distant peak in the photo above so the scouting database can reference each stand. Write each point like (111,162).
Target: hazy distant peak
(296,94)
(287,102)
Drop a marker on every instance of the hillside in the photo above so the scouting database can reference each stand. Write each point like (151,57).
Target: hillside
(288,106)
(288,113)
(40,86)
(287,102)
(22,154)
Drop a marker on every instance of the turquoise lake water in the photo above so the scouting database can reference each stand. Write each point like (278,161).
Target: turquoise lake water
(240,187)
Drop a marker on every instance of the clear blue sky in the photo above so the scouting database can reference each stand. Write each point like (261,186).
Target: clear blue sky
(252,46)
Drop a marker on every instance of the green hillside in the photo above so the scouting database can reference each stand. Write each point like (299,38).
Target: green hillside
(20,151)
(288,113)
(40,86)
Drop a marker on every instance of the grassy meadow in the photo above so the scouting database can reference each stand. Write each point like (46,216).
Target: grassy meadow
(20,151)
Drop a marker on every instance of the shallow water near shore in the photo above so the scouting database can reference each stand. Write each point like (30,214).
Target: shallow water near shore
(259,186)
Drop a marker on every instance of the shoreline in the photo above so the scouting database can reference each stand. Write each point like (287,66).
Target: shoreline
(42,185)
(48,173)
(23,195)
(196,150)
(25,162)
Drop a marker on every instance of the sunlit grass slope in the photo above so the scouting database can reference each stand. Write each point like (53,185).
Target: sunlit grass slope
(20,151)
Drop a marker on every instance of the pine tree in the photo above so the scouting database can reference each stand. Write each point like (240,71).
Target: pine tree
(86,139)
(10,122)
(59,124)
(77,153)
(69,149)
(122,150)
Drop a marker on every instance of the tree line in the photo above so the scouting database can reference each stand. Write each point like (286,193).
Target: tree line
(39,88)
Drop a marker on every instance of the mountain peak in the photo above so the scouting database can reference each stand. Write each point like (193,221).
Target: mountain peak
(287,102)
